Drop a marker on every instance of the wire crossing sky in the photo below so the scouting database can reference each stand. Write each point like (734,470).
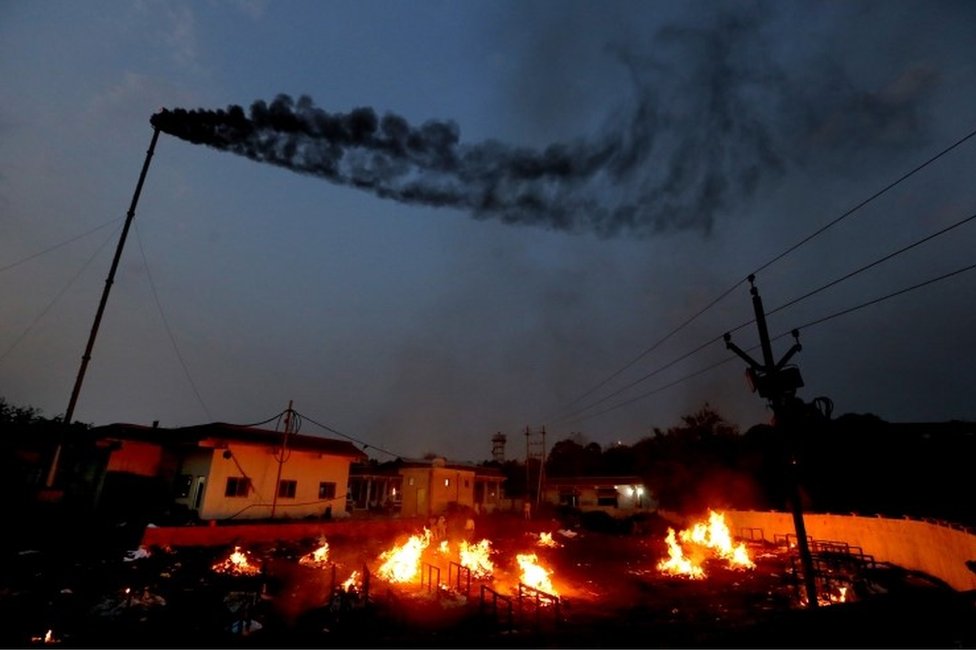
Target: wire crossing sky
(518,198)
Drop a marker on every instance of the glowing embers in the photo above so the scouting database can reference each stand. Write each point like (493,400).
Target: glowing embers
(239,563)
(477,558)
(830,595)
(534,574)
(702,542)
(47,639)
(838,596)
(545,539)
(319,558)
(402,563)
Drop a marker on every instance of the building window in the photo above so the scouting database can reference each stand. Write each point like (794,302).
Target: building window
(286,489)
(237,486)
(569,498)
(327,490)
(606,497)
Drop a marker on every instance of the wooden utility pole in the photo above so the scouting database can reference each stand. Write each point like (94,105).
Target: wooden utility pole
(281,456)
(777,382)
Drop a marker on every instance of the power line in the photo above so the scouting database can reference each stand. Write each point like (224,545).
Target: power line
(775,259)
(301,418)
(57,246)
(832,283)
(899,292)
(863,203)
(874,263)
(169,331)
(347,437)
(654,347)
(58,296)
(807,325)
(271,419)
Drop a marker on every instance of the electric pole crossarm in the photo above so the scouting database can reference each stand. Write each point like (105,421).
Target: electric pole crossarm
(755,365)
(789,354)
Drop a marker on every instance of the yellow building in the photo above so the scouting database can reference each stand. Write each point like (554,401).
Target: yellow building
(225,471)
(425,487)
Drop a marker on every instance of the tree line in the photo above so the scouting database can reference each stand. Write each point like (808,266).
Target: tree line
(855,463)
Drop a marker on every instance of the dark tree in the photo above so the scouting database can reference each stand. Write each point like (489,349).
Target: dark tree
(574,457)
(695,466)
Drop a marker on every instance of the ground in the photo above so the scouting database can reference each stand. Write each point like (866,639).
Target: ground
(610,594)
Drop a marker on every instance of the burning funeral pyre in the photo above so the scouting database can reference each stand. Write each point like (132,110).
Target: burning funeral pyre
(402,562)
(477,558)
(238,563)
(318,558)
(702,542)
(515,584)
(534,574)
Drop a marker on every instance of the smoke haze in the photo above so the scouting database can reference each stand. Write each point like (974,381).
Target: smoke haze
(697,140)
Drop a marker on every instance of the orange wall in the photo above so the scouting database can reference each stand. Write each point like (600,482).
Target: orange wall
(938,550)
(251,533)
(136,457)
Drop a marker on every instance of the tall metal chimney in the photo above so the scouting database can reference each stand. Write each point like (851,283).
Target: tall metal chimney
(86,357)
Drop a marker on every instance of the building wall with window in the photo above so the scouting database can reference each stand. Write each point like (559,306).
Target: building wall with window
(426,487)
(244,483)
(431,490)
(223,471)
(615,495)
(192,482)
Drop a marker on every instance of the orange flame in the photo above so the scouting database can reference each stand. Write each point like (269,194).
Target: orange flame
(237,564)
(677,564)
(352,582)
(402,563)
(317,558)
(477,558)
(443,548)
(840,597)
(534,574)
(828,598)
(713,537)
(47,639)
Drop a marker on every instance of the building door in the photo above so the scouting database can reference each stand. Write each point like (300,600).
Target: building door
(198,493)
(422,501)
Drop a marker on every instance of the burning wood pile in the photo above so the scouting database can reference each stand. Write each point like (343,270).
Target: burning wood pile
(403,563)
(671,581)
(319,558)
(238,563)
(703,542)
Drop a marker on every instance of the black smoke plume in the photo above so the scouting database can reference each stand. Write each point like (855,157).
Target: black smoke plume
(708,124)
(579,186)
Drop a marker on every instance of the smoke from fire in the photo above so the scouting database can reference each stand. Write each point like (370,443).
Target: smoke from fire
(696,141)
(563,187)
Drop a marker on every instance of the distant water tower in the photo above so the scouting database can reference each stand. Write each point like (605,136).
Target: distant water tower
(498,447)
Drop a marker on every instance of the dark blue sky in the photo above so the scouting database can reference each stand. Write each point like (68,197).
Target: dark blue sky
(728,132)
